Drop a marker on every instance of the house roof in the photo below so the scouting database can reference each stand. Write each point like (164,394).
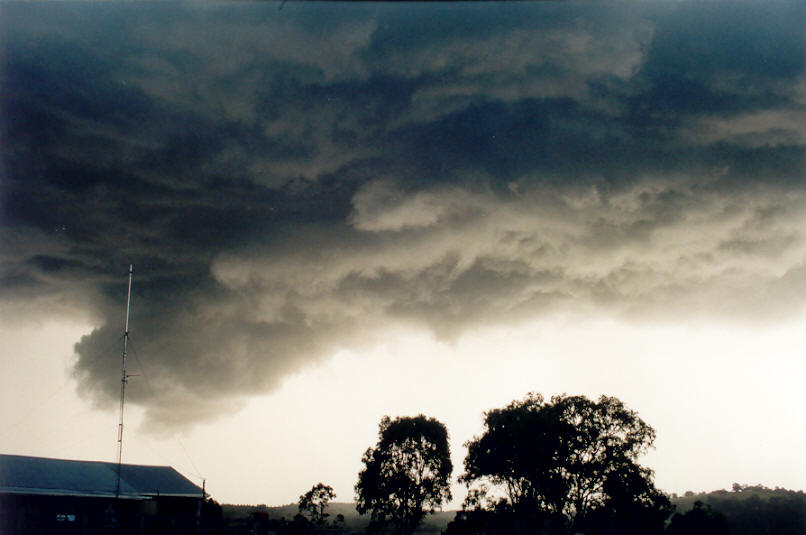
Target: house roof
(39,475)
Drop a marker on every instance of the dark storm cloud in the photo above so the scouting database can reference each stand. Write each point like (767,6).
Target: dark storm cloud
(289,182)
(714,61)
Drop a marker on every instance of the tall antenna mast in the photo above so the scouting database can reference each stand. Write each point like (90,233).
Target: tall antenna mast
(123,377)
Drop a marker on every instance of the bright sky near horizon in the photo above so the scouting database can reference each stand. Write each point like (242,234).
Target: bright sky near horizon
(338,212)
(722,413)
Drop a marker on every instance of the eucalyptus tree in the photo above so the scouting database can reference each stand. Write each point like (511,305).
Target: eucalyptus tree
(565,465)
(315,501)
(406,475)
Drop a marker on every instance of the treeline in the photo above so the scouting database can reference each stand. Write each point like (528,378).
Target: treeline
(752,510)
(562,466)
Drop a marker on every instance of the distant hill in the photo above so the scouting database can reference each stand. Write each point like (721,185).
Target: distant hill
(431,524)
(754,510)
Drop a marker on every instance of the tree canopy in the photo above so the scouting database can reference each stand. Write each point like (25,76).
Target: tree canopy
(314,502)
(407,474)
(700,520)
(567,464)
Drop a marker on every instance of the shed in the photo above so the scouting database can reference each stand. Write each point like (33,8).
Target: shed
(42,495)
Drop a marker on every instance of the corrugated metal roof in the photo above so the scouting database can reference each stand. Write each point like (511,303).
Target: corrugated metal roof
(38,475)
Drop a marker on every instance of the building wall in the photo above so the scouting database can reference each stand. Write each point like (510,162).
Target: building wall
(22,514)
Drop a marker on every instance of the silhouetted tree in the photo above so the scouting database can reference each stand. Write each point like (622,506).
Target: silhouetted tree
(700,520)
(338,523)
(631,505)
(406,475)
(315,501)
(481,515)
(299,526)
(566,465)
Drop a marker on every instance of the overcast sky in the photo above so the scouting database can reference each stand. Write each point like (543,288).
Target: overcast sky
(340,211)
